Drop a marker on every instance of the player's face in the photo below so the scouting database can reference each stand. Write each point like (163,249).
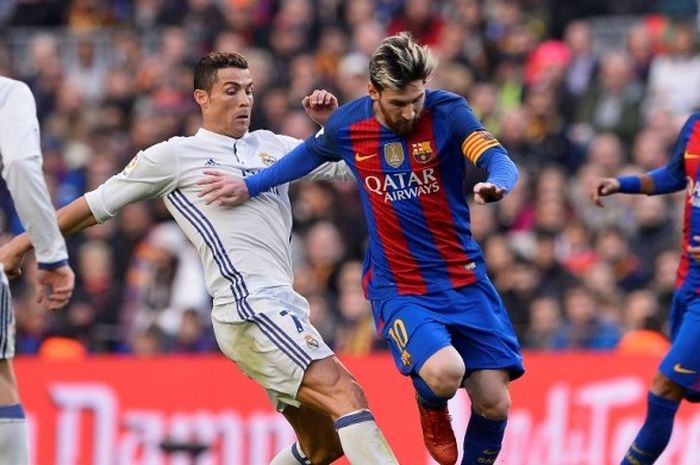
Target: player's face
(399,110)
(228,106)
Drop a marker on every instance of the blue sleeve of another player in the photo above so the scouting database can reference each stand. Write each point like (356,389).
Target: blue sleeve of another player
(311,154)
(672,177)
(500,168)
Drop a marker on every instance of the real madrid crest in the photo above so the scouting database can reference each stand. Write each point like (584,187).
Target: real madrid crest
(311,342)
(393,154)
(267,159)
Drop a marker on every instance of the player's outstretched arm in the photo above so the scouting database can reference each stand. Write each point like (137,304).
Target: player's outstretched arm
(502,176)
(72,218)
(230,191)
(320,105)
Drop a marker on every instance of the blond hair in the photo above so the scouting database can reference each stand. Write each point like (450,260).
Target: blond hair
(398,61)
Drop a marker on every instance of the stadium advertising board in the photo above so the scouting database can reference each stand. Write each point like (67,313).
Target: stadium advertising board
(569,409)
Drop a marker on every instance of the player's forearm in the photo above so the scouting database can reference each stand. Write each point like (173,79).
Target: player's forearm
(75,217)
(72,219)
(500,168)
(658,181)
(298,163)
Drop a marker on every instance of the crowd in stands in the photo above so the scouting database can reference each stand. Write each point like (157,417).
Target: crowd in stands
(574,90)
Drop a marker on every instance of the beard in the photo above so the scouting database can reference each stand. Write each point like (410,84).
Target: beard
(399,125)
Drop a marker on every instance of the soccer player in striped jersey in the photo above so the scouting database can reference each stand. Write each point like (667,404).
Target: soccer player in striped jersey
(424,273)
(678,376)
(20,152)
(260,322)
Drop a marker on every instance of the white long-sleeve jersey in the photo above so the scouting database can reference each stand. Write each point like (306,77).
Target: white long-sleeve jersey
(20,149)
(245,250)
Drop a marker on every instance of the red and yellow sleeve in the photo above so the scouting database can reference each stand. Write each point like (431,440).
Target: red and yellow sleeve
(477,143)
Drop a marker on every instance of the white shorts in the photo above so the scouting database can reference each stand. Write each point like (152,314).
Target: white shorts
(7,320)
(275,346)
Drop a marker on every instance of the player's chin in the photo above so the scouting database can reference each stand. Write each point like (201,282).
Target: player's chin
(240,127)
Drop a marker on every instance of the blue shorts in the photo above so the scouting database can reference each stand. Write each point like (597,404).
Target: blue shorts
(682,362)
(471,318)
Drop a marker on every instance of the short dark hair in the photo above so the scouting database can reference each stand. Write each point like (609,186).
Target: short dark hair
(209,64)
(398,61)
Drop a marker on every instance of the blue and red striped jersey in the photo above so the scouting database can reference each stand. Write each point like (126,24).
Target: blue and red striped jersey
(411,186)
(682,170)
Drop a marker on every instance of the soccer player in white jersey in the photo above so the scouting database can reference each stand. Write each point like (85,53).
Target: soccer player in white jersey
(259,321)
(20,152)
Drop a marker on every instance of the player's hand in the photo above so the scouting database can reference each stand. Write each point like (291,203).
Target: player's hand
(485,192)
(229,191)
(694,250)
(604,187)
(320,105)
(54,287)
(11,260)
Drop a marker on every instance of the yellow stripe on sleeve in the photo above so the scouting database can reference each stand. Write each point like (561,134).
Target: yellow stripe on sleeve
(477,143)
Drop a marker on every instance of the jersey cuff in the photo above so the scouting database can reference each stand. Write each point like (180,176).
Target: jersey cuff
(630,184)
(52,265)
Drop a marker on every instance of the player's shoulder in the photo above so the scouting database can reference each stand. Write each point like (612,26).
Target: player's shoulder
(166,147)
(694,118)
(690,125)
(442,100)
(13,86)
(349,113)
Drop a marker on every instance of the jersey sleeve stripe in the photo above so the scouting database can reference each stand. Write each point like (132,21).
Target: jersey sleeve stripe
(474,148)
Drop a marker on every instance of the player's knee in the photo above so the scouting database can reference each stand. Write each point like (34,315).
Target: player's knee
(493,406)
(443,380)
(662,386)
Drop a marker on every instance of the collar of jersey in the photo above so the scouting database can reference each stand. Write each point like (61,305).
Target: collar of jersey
(207,134)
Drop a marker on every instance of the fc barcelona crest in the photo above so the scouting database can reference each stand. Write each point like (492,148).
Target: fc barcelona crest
(422,151)
(393,154)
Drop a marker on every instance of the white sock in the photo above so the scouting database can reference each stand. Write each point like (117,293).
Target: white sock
(291,456)
(13,436)
(362,441)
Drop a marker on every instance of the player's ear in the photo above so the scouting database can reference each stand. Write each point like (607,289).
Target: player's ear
(201,97)
(372,91)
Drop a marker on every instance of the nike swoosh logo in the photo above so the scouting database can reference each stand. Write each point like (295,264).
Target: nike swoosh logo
(359,157)
(684,371)
(691,155)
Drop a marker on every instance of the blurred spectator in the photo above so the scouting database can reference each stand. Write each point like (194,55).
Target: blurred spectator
(583,328)
(628,271)
(613,102)
(544,319)
(674,75)
(419,17)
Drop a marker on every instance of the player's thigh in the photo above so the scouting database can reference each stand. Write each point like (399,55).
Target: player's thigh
(412,327)
(481,330)
(315,433)
(681,364)
(274,347)
(329,387)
